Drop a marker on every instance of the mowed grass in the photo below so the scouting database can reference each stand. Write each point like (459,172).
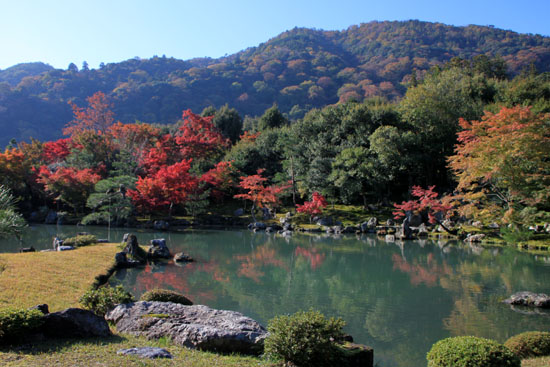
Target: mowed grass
(59,279)
(103,352)
(55,278)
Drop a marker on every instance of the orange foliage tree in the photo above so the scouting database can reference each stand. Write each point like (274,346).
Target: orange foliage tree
(257,192)
(68,184)
(97,117)
(501,164)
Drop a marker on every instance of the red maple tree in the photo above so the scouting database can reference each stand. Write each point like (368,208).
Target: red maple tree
(260,195)
(425,202)
(313,207)
(164,189)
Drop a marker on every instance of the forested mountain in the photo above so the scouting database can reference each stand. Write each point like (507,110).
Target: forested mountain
(298,70)
(14,74)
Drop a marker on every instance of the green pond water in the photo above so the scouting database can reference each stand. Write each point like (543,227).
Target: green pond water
(399,298)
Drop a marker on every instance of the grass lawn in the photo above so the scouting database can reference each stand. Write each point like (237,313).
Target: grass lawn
(102,352)
(59,279)
(55,278)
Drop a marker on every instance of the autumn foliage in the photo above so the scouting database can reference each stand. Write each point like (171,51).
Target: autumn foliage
(257,191)
(167,187)
(425,202)
(313,207)
(502,161)
(97,117)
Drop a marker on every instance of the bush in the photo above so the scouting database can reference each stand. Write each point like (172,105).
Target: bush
(470,351)
(530,344)
(80,240)
(104,299)
(304,339)
(165,295)
(16,323)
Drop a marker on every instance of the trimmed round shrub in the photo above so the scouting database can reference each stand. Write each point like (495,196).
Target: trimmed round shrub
(165,295)
(471,351)
(15,324)
(102,300)
(80,240)
(304,339)
(530,344)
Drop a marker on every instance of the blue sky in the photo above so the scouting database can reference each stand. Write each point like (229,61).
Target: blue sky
(59,32)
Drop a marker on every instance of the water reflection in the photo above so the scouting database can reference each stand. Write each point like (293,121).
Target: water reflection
(398,297)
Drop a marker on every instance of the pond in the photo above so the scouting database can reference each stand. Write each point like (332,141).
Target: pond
(399,298)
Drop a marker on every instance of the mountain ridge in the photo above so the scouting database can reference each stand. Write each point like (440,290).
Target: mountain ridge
(299,69)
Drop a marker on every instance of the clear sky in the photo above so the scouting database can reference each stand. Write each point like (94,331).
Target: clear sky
(59,32)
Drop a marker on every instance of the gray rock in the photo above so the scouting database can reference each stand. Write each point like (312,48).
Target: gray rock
(415,220)
(196,326)
(390,222)
(406,231)
(357,355)
(257,225)
(422,231)
(494,226)
(42,308)
(238,212)
(146,352)
(350,229)
(74,322)
(327,221)
(161,225)
(181,257)
(474,237)
(477,224)
(287,226)
(64,248)
(158,249)
(540,300)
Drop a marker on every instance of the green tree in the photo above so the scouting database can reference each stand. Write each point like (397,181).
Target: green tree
(272,118)
(11,222)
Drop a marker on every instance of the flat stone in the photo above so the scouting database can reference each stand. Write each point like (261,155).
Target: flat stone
(198,326)
(146,352)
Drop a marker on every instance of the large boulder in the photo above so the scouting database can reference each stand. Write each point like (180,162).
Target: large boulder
(74,323)
(529,299)
(198,326)
(158,249)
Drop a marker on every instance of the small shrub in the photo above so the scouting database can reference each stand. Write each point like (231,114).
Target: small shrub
(102,300)
(165,295)
(80,240)
(16,323)
(469,351)
(530,344)
(304,339)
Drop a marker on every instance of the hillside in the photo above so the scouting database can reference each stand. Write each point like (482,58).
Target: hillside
(299,69)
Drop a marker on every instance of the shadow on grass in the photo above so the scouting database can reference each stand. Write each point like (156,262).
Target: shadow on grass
(59,345)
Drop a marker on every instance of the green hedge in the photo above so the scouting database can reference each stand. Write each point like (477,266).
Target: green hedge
(304,339)
(80,240)
(15,324)
(530,344)
(471,351)
(165,295)
(102,300)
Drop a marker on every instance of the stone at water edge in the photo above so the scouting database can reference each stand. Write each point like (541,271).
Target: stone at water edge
(146,352)
(198,326)
(181,257)
(540,300)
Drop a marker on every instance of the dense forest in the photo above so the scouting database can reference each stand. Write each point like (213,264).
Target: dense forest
(465,129)
(299,70)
